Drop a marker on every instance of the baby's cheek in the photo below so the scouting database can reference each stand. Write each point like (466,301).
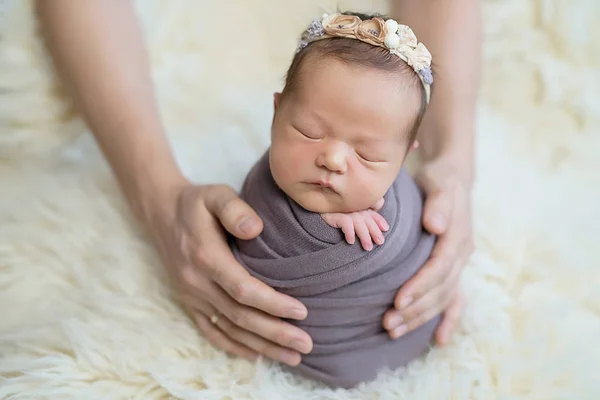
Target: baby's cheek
(368,188)
(284,166)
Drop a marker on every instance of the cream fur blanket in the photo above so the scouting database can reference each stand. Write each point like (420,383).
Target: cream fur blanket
(84,312)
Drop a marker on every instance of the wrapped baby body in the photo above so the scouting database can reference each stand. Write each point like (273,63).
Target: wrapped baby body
(345,288)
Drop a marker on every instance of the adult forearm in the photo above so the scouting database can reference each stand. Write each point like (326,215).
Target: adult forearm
(98,50)
(451,29)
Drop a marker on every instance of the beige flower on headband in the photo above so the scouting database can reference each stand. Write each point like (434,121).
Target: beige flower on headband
(419,58)
(372,31)
(340,25)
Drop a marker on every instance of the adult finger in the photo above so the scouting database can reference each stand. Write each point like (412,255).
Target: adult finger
(413,316)
(455,300)
(436,212)
(265,326)
(219,339)
(429,277)
(449,320)
(415,323)
(215,259)
(272,331)
(257,343)
(236,216)
(253,344)
(434,272)
(426,307)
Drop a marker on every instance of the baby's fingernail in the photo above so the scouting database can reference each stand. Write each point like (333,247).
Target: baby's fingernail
(399,331)
(405,302)
(386,226)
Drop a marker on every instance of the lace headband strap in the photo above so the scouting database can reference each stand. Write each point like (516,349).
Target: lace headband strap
(388,34)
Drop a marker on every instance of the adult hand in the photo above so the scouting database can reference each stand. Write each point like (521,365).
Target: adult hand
(435,288)
(234,311)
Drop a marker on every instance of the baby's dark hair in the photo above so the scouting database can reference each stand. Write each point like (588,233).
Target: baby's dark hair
(352,51)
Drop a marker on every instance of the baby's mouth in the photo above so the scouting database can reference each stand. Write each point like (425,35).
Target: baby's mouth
(325,185)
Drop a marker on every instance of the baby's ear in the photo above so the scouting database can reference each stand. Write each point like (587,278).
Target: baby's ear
(414,146)
(276,100)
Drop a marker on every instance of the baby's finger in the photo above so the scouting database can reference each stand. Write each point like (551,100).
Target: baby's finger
(380,221)
(374,230)
(347,226)
(362,232)
(343,222)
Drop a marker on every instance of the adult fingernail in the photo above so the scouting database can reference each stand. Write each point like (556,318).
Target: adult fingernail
(289,358)
(399,331)
(297,313)
(438,220)
(301,346)
(405,302)
(395,321)
(246,225)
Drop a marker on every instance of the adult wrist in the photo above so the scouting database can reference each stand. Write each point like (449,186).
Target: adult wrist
(155,188)
(453,151)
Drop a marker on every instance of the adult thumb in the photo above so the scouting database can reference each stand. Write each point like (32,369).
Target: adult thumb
(436,212)
(236,216)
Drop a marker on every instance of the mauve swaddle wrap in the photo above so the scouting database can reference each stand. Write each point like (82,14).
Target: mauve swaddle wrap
(345,288)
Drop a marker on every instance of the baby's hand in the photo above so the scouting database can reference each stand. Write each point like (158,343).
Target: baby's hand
(368,225)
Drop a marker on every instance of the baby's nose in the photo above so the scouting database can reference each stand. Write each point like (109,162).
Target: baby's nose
(334,159)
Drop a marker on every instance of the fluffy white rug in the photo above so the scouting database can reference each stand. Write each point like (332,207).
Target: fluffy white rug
(83,303)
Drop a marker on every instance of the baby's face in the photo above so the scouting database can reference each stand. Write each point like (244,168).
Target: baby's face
(339,139)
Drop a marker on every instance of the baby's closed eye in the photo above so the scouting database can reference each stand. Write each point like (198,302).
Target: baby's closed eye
(370,157)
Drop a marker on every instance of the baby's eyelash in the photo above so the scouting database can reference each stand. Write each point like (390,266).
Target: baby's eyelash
(361,157)
(365,159)
(312,137)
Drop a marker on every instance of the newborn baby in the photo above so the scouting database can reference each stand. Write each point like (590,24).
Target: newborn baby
(347,117)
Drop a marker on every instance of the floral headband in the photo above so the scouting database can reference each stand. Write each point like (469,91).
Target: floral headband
(399,39)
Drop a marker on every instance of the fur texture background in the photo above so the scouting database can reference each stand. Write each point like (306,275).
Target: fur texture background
(84,308)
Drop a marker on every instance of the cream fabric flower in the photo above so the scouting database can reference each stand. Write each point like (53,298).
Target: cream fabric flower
(407,36)
(419,58)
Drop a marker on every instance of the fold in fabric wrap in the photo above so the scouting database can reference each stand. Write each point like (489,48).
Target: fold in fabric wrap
(345,288)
